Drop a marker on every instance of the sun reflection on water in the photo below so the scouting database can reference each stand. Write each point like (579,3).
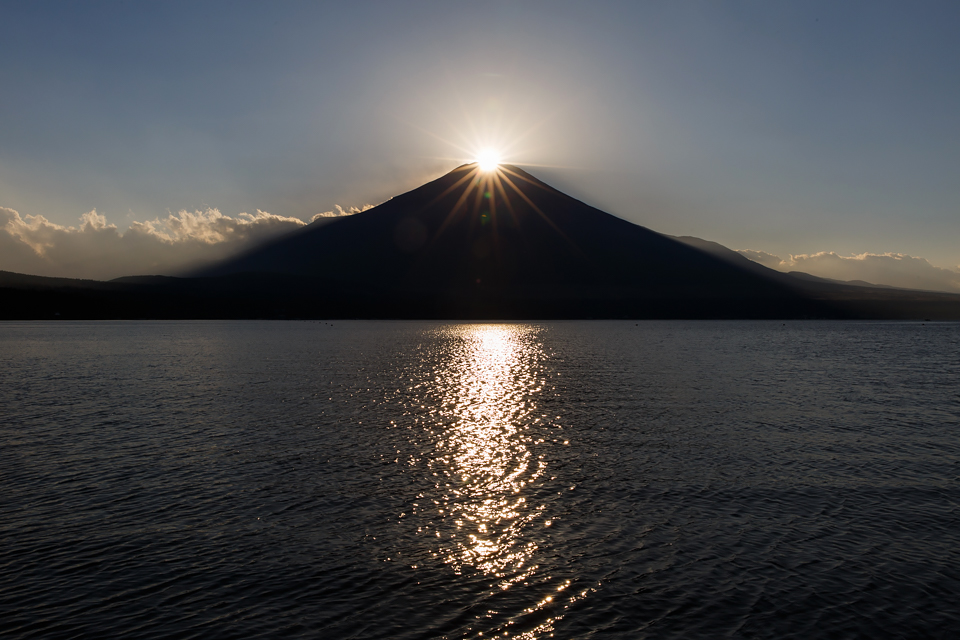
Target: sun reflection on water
(485,468)
(488,389)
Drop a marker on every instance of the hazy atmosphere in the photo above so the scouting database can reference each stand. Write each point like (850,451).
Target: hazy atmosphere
(150,138)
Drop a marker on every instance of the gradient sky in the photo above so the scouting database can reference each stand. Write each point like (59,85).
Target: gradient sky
(791,128)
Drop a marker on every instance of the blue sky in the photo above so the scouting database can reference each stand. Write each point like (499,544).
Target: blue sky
(790,128)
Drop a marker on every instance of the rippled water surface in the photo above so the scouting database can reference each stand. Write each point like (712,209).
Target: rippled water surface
(438,480)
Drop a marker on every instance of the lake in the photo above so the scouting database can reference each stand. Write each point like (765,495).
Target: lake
(594,479)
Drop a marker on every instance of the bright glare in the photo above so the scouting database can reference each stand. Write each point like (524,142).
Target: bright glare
(488,159)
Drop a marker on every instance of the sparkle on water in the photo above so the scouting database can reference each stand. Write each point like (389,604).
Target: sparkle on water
(488,394)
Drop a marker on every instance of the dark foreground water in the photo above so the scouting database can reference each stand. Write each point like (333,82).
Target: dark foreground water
(430,480)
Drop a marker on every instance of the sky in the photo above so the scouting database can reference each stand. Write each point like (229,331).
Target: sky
(150,136)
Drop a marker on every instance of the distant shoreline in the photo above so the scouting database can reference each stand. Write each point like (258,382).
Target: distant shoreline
(273,297)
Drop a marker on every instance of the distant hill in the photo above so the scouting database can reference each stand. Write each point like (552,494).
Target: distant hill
(476,245)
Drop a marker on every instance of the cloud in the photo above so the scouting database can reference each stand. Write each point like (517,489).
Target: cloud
(764,258)
(340,211)
(894,269)
(99,250)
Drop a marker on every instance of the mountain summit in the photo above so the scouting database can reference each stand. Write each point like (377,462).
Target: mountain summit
(504,243)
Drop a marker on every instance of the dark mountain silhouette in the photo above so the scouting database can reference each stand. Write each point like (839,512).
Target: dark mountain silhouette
(505,243)
(480,245)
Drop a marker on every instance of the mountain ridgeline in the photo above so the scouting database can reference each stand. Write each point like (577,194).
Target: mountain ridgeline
(474,245)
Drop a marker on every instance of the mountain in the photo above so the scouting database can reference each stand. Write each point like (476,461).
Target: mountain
(497,245)
(506,244)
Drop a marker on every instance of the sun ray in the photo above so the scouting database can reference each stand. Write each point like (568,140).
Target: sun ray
(510,209)
(467,176)
(529,181)
(544,216)
(491,191)
(477,199)
(465,149)
(474,173)
(506,201)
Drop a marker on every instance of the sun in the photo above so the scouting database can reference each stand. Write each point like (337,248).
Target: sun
(488,160)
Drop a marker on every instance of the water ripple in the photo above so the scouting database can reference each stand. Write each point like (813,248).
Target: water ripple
(424,480)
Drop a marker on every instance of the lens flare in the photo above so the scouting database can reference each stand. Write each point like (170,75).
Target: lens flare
(488,160)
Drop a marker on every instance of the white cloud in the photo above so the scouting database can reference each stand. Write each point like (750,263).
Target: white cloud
(340,211)
(99,250)
(894,269)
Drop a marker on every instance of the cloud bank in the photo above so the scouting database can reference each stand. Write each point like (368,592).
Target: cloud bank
(98,250)
(340,212)
(894,269)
